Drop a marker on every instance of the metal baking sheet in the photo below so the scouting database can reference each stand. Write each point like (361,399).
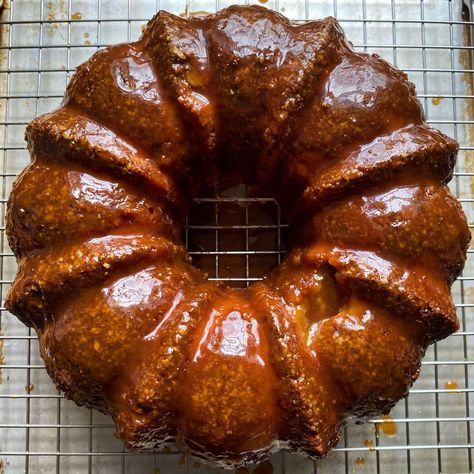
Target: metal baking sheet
(42,42)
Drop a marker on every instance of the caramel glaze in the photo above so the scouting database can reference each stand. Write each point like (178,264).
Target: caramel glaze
(128,326)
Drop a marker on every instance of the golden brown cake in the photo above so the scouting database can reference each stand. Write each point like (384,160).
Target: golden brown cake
(128,326)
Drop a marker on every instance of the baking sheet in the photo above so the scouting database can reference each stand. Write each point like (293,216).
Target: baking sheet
(42,43)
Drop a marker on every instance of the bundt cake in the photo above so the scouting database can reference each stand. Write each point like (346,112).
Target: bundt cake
(128,326)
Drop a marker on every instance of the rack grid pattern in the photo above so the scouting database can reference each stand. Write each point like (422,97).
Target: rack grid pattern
(235,236)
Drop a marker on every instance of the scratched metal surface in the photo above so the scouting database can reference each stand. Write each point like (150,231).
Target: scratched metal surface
(42,43)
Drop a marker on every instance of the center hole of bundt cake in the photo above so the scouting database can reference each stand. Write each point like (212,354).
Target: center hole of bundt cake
(235,235)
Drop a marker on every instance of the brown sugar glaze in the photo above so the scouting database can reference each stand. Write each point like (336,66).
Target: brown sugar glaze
(336,332)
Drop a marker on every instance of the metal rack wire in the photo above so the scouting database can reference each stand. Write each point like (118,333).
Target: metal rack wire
(235,237)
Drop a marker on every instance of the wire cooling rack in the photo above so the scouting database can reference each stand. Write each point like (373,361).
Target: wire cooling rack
(235,237)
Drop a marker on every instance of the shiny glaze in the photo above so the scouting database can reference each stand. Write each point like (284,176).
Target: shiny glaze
(418,220)
(228,386)
(79,202)
(128,326)
(388,426)
(369,444)
(451,385)
(380,356)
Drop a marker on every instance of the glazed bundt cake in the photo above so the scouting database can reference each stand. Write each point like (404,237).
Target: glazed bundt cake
(128,326)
